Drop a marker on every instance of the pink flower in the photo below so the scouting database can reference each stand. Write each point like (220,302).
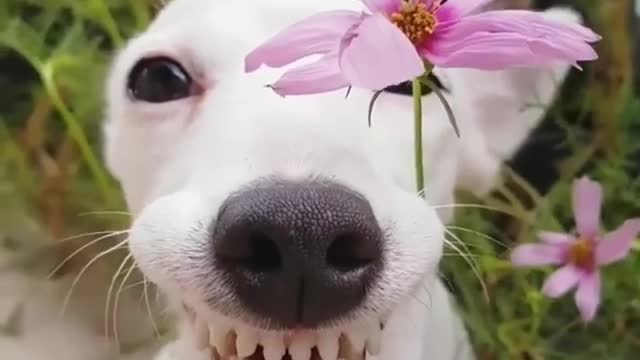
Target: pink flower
(580,255)
(389,43)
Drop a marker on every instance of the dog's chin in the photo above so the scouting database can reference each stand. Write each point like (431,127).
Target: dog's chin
(227,338)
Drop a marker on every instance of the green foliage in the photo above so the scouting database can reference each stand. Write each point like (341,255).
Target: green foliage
(514,320)
(54,54)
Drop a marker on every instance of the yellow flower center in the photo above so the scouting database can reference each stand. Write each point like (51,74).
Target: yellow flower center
(581,254)
(416,20)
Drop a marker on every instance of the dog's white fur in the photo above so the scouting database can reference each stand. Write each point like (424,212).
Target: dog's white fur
(177,162)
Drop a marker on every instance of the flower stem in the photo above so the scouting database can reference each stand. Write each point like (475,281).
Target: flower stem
(417,134)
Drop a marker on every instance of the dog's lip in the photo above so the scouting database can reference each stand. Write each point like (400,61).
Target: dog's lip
(226,341)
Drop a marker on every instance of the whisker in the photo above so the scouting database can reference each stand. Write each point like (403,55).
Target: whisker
(46,248)
(135,284)
(469,260)
(456,254)
(123,213)
(107,307)
(145,281)
(116,302)
(483,235)
(473,256)
(112,249)
(85,246)
(78,236)
(477,206)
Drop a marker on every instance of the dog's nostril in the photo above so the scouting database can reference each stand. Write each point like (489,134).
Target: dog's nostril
(252,250)
(264,255)
(350,252)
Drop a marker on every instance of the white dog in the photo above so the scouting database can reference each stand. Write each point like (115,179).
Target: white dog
(286,225)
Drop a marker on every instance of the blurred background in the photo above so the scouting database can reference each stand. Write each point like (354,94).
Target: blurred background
(60,212)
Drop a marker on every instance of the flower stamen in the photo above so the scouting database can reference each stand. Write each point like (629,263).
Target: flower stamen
(582,255)
(416,20)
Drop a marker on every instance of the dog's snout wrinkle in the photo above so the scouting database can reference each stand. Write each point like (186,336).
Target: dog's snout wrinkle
(298,253)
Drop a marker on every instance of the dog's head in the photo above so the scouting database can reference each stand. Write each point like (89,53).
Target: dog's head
(268,219)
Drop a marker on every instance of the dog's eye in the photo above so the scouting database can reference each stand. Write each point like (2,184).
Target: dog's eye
(158,80)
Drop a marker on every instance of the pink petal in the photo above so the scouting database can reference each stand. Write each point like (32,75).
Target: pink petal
(538,254)
(555,238)
(529,23)
(378,54)
(588,296)
(464,7)
(382,6)
(317,34)
(321,76)
(483,51)
(616,245)
(500,39)
(561,281)
(587,201)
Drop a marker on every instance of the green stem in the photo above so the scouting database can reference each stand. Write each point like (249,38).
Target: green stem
(141,13)
(417,134)
(78,135)
(109,23)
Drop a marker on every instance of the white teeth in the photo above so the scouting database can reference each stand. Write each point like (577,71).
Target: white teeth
(300,348)
(226,343)
(357,340)
(273,347)
(328,347)
(347,351)
(214,355)
(246,342)
(373,342)
(217,335)
(201,334)
(223,339)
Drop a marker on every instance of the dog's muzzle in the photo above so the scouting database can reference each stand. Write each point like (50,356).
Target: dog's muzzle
(298,254)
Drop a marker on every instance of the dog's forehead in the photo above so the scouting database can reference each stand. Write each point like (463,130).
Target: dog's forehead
(237,120)
(214,36)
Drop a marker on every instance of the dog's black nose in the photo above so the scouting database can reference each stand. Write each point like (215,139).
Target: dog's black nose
(298,253)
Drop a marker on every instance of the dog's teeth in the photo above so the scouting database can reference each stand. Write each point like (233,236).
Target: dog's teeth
(347,351)
(201,334)
(217,334)
(230,342)
(214,354)
(246,343)
(357,341)
(223,339)
(327,347)
(273,347)
(300,348)
(373,342)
